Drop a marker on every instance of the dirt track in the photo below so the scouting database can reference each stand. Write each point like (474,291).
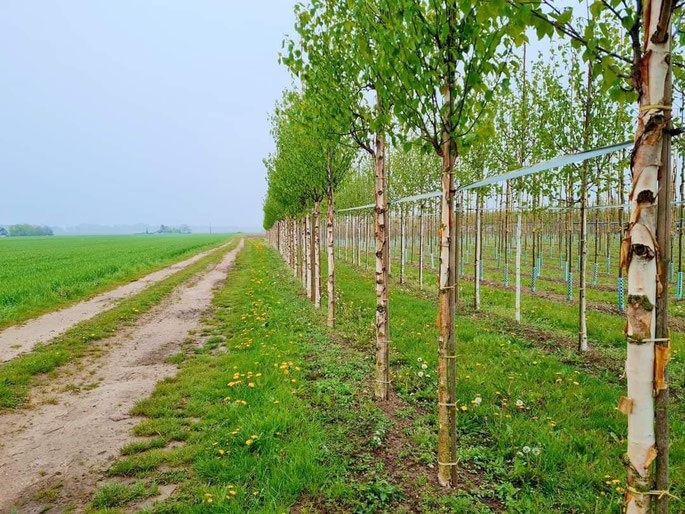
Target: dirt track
(19,339)
(72,439)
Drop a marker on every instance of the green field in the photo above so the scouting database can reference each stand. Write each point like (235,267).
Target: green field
(39,274)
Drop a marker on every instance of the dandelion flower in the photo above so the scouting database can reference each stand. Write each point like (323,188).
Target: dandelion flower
(536,451)
(519,403)
(424,365)
(477,400)
(249,442)
(525,449)
(464,408)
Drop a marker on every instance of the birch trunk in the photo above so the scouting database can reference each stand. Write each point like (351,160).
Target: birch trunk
(582,301)
(421,247)
(310,256)
(447,447)
(330,239)
(403,243)
(382,248)
(518,262)
(644,258)
(316,252)
(476,260)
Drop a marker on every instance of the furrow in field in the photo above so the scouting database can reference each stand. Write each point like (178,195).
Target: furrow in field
(69,441)
(19,339)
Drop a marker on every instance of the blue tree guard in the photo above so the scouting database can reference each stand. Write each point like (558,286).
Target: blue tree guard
(561,263)
(533,282)
(679,286)
(539,266)
(594,275)
(432,261)
(578,267)
(480,268)
(461,268)
(569,287)
(566,271)
(621,298)
(608,265)
(670,271)
(506,274)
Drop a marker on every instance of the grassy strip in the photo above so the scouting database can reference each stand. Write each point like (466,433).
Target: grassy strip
(551,280)
(546,432)
(41,274)
(558,319)
(17,375)
(273,415)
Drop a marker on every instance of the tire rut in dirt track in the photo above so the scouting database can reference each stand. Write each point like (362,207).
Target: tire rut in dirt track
(22,338)
(72,441)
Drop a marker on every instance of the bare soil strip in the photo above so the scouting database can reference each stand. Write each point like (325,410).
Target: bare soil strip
(67,443)
(19,339)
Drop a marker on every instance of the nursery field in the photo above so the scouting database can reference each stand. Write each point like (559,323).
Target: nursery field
(39,274)
(274,411)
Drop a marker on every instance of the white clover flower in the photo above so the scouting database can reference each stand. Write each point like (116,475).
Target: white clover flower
(519,403)
(536,451)
(477,400)
(420,373)
(424,365)
(525,449)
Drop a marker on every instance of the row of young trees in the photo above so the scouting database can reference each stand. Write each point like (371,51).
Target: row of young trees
(445,78)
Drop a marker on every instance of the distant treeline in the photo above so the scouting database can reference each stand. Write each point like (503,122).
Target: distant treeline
(24,229)
(181,229)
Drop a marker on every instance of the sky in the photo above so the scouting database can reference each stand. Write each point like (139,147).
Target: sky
(130,111)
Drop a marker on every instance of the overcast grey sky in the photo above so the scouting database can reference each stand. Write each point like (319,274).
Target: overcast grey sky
(137,111)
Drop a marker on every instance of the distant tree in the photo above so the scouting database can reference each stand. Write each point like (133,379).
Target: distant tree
(168,229)
(24,229)
(3,232)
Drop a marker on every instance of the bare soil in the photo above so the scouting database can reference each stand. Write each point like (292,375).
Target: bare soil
(19,339)
(67,440)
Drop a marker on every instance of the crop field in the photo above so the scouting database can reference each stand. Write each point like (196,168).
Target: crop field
(38,274)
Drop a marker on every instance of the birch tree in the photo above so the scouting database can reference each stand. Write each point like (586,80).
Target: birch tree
(641,69)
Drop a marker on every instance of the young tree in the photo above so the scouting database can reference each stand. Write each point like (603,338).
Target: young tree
(437,63)
(645,62)
(327,59)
